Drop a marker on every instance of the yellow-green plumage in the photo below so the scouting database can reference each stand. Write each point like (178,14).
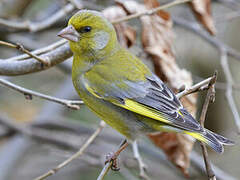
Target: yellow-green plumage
(120,89)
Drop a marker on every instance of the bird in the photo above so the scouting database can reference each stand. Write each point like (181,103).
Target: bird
(120,89)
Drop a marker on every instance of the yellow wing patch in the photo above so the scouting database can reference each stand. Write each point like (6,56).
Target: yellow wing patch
(143,110)
(197,136)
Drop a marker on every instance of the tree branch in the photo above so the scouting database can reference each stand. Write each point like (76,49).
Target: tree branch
(209,98)
(38,26)
(13,68)
(29,93)
(203,85)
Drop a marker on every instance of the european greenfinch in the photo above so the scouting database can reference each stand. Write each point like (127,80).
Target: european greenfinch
(120,89)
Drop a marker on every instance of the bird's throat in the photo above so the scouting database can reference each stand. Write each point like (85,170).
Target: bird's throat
(85,61)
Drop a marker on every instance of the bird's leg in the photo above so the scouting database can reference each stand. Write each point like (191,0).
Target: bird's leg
(142,166)
(112,157)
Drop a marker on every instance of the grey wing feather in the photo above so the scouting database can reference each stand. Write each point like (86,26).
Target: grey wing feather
(161,98)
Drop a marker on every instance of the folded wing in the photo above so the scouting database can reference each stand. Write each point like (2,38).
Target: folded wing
(150,98)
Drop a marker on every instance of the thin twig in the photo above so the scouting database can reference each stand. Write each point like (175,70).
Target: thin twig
(76,155)
(105,170)
(39,51)
(124,171)
(29,93)
(150,12)
(209,98)
(22,49)
(111,164)
(195,88)
(230,82)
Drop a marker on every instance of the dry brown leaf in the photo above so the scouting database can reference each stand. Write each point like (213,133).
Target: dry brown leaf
(126,34)
(202,11)
(157,37)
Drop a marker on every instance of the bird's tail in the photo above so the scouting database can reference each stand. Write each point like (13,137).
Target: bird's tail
(215,141)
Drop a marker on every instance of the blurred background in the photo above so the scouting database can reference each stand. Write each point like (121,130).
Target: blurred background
(26,157)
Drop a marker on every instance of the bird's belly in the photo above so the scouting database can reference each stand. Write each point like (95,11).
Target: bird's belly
(124,121)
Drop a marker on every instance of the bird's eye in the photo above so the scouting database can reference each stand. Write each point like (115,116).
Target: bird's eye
(85,29)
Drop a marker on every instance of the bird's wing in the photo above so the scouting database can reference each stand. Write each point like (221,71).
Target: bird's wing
(150,98)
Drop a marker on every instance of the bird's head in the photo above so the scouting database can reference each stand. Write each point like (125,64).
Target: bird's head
(88,32)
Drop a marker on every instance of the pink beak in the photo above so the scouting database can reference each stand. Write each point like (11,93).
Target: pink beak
(69,33)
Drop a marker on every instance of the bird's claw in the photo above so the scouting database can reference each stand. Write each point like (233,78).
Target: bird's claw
(113,158)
